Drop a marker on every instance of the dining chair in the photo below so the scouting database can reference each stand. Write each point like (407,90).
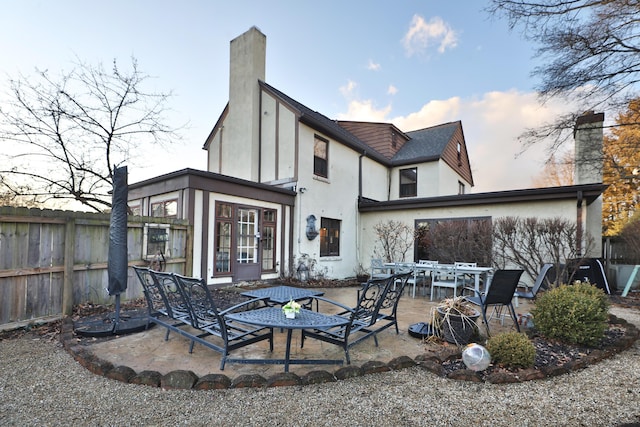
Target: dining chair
(378,268)
(468,280)
(500,294)
(445,276)
(422,275)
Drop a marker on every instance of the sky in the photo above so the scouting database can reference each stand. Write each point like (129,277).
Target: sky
(413,63)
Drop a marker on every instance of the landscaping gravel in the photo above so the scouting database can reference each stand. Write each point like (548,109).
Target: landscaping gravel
(41,385)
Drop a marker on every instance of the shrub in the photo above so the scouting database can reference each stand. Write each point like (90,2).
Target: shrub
(575,314)
(512,349)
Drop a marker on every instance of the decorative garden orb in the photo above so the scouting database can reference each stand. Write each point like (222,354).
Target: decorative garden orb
(476,357)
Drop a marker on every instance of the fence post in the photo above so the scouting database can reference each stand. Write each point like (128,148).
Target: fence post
(69,261)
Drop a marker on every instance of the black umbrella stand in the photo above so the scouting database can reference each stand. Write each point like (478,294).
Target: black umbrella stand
(116,323)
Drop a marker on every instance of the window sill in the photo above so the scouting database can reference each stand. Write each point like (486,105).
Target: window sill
(321,179)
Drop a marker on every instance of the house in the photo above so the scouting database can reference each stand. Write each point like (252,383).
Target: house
(287,185)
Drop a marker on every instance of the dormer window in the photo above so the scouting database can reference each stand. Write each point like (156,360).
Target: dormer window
(320,157)
(409,182)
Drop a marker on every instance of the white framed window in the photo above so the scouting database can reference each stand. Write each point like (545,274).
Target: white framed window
(156,240)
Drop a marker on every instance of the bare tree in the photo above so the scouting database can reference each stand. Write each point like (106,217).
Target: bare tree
(589,51)
(395,238)
(556,172)
(528,243)
(63,136)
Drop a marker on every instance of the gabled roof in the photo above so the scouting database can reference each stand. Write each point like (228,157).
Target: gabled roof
(324,124)
(385,138)
(428,143)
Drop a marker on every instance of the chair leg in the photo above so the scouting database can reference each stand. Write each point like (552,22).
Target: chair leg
(514,317)
(486,321)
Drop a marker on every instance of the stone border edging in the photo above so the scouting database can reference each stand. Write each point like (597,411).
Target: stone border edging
(431,361)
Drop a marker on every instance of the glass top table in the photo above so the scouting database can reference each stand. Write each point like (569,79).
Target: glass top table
(273,317)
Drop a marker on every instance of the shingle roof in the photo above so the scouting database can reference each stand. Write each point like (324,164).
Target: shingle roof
(426,144)
(325,124)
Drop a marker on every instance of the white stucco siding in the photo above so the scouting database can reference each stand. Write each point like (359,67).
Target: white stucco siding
(288,124)
(213,153)
(448,180)
(375,180)
(428,176)
(548,209)
(334,197)
(268,139)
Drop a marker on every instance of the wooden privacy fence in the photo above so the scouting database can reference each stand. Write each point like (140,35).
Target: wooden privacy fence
(51,260)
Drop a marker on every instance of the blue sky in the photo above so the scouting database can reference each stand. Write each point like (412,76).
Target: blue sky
(413,63)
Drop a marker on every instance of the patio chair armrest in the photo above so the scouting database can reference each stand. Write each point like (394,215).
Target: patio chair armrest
(330,301)
(242,304)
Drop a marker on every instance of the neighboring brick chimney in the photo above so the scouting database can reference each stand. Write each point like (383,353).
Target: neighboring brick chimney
(588,137)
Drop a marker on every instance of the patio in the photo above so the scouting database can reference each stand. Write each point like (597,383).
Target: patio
(148,351)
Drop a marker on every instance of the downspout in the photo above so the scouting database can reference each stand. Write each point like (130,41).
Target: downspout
(579,225)
(364,153)
(358,236)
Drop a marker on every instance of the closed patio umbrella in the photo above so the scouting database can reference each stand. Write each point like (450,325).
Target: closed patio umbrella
(117,265)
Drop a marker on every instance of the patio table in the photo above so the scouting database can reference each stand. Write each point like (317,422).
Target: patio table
(283,294)
(273,317)
(476,272)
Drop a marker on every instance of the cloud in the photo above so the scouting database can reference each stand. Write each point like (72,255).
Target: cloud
(373,66)
(347,90)
(422,35)
(392,90)
(491,124)
(365,111)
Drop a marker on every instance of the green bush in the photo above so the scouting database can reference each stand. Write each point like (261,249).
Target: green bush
(512,349)
(575,314)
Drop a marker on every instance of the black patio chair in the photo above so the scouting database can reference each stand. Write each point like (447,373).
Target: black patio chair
(212,322)
(500,294)
(364,316)
(540,280)
(165,306)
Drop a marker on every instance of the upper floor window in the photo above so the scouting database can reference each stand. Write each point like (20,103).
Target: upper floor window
(165,209)
(409,182)
(329,237)
(461,188)
(459,152)
(320,157)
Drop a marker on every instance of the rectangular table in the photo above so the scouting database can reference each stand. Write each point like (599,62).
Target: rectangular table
(283,294)
(476,272)
(273,317)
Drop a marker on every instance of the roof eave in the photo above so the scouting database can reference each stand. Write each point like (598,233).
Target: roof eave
(588,192)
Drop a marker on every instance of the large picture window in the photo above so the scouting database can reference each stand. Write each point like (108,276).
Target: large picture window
(320,157)
(409,182)
(329,237)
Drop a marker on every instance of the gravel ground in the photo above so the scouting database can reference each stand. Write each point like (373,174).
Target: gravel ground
(41,385)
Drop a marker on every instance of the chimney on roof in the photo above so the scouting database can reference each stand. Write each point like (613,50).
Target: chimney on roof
(588,137)
(246,66)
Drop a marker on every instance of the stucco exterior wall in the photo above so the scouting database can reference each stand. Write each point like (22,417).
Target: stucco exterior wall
(375,180)
(334,197)
(565,209)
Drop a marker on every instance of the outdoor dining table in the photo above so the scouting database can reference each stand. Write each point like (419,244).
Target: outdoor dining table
(283,294)
(273,317)
(476,272)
